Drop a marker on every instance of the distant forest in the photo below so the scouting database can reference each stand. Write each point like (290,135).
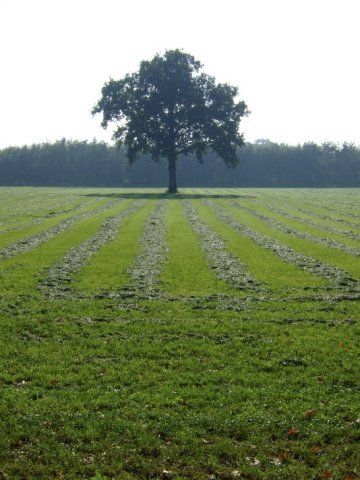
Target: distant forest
(262,164)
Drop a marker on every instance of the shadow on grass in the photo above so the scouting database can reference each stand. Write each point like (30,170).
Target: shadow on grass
(170,196)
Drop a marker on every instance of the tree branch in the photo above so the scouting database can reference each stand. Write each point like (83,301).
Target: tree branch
(190,146)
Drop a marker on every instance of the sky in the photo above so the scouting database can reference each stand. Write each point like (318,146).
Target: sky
(295,62)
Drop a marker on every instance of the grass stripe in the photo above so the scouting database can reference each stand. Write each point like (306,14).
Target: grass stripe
(322,216)
(324,254)
(22,274)
(296,228)
(263,264)
(319,208)
(285,246)
(17,222)
(9,237)
(148,264)
(225,265)
(52,228)
(187,271)
(319,223)
(58,282)
(108,269)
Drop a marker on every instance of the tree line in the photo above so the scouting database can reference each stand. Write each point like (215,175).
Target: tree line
(262,164)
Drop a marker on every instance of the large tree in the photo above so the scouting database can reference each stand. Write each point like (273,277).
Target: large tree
(169,107)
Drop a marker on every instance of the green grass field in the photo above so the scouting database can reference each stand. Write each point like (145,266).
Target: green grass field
(209,335)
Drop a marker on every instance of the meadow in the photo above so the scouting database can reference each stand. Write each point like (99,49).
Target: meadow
(212,334)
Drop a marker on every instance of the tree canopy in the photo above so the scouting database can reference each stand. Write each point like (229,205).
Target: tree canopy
(170,107)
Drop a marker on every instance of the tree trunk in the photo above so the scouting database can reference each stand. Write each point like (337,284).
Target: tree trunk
(172,174)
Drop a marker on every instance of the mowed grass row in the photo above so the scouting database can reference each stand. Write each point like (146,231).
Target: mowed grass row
(322,221)
(107,270)
(298,210)
(323,253)
(22,273)
(187,271)
(263,264)
(320,204)
(7,238)
(24,223)
(298,225)
(33,204)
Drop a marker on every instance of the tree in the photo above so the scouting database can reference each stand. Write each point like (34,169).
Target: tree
(169,107)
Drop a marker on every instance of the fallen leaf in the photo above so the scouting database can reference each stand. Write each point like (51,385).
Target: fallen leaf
(293,431)
(326,475)
(315,449)
(310,413)
(283,455)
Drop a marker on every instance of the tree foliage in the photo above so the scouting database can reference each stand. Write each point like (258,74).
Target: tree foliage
(170,107)
(266,164)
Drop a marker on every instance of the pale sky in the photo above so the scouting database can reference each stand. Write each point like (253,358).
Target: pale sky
(296,62)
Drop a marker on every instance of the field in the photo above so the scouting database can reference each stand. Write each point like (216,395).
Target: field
(209,335)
